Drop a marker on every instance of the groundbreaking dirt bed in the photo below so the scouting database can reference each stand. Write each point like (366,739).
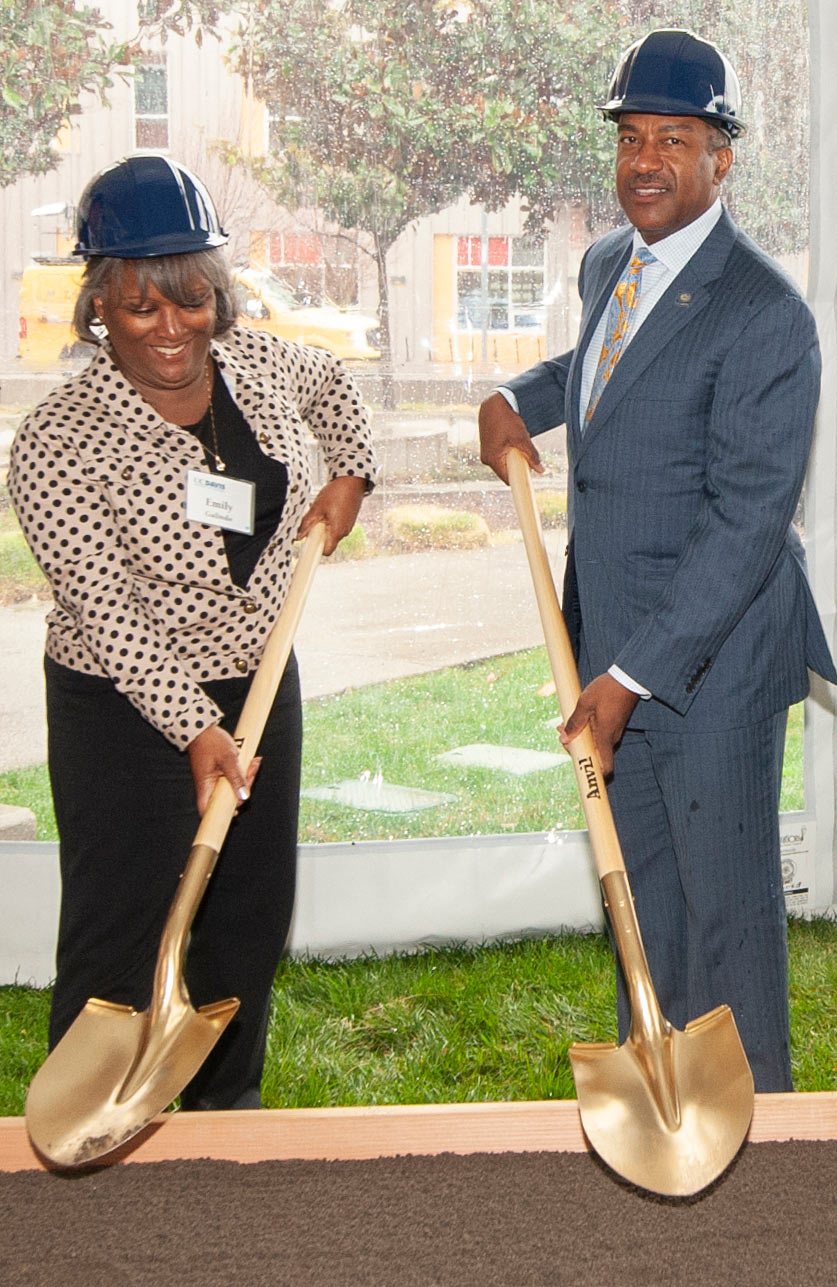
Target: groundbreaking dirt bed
(493,1220)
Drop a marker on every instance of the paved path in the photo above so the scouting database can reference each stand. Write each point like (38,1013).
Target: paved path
(22,722)
(365,622)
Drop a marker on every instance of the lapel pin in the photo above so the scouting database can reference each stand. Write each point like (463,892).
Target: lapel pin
(685,297)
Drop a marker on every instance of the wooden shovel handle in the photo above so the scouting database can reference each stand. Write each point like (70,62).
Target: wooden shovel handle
(263,688)
(603,838)
(169,988)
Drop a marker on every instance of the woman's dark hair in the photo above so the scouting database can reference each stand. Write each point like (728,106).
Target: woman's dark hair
(174,276)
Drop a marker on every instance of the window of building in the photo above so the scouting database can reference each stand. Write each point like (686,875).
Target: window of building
(151,103)
(503,290)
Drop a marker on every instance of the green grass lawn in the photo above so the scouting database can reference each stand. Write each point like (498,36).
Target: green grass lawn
(451,1026)
(445,1026)
(396,730)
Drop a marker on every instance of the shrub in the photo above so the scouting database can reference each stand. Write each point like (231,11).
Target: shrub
(353,546)
(552,507)
(432,527)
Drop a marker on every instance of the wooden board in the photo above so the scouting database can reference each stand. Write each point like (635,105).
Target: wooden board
(334,1134)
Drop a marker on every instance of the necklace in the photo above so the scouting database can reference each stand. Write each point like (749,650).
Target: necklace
(219,463)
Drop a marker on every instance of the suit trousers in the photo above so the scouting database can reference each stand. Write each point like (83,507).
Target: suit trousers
(698,820)
(125,807)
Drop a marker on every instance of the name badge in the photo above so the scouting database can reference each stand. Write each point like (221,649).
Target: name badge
(221,501)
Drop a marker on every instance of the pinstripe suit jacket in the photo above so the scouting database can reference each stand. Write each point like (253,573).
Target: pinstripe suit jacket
(684,567)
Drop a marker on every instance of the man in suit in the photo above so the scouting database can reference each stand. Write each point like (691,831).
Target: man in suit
(689,402)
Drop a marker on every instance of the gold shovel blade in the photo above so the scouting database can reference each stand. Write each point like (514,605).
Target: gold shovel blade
(673,1128)
(111,1074)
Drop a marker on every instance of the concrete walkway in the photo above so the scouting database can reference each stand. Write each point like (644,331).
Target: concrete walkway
(22,721)
(365,622)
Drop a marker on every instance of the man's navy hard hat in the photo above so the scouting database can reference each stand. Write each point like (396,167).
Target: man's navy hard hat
(671,72)
(146,205)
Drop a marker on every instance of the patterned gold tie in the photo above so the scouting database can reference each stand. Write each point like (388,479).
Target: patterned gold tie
(622,305)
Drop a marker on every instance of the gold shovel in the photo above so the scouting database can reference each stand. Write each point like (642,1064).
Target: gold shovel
(116,1068)
(667,1110)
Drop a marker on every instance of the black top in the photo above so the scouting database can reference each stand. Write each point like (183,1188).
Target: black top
(244,459)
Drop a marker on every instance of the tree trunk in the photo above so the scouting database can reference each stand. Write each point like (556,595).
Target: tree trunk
(387,370)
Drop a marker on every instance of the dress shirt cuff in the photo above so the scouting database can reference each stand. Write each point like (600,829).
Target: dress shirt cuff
(509,396)
(627,682)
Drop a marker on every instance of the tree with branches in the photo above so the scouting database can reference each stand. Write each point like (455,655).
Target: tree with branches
(53,51)
(382,111)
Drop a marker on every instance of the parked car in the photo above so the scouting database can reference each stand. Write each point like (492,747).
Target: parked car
(48,290)
(267,303)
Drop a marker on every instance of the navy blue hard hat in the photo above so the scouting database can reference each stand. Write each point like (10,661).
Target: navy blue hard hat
(146,205)
(671,72)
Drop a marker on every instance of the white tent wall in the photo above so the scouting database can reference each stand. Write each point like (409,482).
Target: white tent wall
(817,824)
(401,895)
(353,899)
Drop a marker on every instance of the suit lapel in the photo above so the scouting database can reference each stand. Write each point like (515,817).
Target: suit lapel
(682,302)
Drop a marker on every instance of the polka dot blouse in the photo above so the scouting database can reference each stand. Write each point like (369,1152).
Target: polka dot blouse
(144,595)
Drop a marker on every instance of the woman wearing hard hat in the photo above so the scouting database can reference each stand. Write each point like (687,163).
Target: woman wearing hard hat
(161,490)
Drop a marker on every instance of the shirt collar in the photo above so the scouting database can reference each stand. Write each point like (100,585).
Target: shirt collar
(675,251)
